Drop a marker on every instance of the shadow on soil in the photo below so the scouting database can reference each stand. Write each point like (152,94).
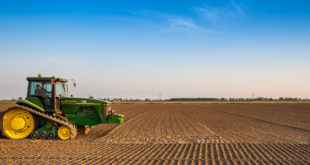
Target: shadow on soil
(98,132)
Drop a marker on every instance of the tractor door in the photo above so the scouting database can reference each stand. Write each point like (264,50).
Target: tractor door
(60,92)
(43,91)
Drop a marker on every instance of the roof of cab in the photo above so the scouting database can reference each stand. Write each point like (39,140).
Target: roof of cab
(45,79)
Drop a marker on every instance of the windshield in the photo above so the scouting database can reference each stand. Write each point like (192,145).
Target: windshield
(60,90)
(40,88)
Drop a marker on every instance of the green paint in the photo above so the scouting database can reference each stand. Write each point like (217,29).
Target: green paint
(87,111)
(48,128)
(115,118)
(32,102)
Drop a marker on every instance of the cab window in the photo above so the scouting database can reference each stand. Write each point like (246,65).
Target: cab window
(36,86)
(60,90)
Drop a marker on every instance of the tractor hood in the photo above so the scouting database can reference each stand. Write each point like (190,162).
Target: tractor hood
(83,101)
(84,111)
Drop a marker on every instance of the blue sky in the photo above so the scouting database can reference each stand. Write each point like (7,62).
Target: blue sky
(140,49)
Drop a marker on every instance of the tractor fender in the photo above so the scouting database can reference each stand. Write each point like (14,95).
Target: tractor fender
(34,103)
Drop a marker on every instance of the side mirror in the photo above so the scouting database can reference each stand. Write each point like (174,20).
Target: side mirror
(74,84)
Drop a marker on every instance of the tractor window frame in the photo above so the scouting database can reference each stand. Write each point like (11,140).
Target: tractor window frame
(48,87)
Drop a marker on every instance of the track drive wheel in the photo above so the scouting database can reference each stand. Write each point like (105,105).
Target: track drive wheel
(64,132)
(17,123)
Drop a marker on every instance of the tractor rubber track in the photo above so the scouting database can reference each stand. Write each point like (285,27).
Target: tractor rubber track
(55,119)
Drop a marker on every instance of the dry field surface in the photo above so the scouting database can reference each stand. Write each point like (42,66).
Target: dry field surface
(180,134)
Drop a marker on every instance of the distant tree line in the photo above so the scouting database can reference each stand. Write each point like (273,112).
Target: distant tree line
(194,99)
(240,99)
(208,99)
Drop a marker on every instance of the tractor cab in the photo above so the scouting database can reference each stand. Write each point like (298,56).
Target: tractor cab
(46,92)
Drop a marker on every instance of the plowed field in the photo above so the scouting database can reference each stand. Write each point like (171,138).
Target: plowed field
(180,134)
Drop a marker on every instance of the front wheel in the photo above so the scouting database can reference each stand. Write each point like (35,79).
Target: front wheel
(17,123)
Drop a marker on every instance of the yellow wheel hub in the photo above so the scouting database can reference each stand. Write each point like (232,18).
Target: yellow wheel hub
(17,123)
(64,133)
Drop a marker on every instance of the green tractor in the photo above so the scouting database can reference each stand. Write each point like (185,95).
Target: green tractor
(48,112)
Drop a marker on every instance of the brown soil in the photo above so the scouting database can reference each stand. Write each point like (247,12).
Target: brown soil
(5,106)
(180,134)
